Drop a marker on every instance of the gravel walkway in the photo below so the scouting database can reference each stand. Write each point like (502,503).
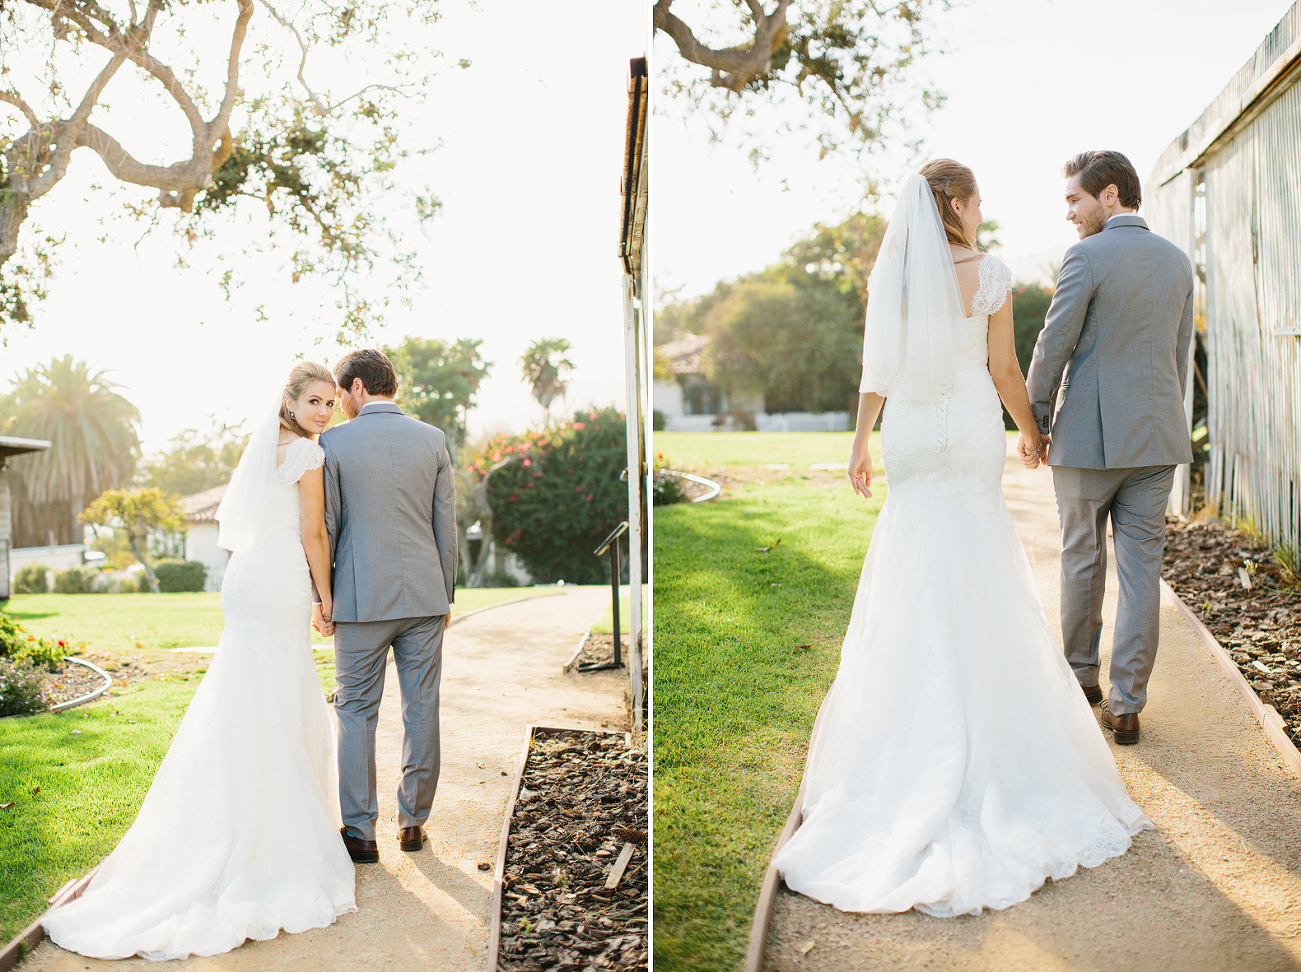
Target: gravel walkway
(429,910)
(1216,888)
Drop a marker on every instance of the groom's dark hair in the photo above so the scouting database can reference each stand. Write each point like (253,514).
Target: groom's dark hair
(1097,170)
(373,368)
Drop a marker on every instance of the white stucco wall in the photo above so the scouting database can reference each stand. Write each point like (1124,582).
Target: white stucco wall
(201,545)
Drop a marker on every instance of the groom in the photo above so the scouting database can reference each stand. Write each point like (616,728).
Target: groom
(1114,350)
(390,509)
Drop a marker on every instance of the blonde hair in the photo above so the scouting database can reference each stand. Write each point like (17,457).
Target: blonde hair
(951,180)
(302,375)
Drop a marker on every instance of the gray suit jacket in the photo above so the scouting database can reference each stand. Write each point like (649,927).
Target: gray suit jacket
(390,509)
(1114,349)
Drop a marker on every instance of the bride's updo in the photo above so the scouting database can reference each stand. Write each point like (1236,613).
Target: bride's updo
(951,180)
(302,375)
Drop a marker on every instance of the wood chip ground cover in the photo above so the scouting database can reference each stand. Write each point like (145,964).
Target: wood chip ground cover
(1210,567)
(581,809)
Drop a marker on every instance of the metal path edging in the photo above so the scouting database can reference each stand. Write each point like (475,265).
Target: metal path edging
(1270,721)
(33,934)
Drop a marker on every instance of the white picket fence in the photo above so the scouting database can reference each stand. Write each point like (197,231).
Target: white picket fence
(779,422)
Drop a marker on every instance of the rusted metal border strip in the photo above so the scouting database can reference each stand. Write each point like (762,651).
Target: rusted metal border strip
(771,879)
(33,934)
(1266,715)
(768,891)
(494,912)
(494,916)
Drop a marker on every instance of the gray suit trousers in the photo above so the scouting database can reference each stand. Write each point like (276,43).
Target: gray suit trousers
(1135,500)
(360,654)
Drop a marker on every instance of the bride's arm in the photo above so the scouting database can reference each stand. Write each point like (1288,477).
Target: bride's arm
(1006,372)
(860,457)
(316,541)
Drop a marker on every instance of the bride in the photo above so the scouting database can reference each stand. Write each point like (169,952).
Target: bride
(238,836)
(955,764)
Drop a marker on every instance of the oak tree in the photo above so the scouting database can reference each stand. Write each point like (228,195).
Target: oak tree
(272,135)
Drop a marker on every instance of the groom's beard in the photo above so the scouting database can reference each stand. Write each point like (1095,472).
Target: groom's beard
(1093,222)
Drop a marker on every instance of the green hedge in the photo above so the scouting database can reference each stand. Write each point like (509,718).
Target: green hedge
(32,579)
(75,580)
(179,575)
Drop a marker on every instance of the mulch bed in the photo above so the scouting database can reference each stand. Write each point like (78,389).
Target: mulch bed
(72,681)
(1259,626)
(582,805)
(599,648)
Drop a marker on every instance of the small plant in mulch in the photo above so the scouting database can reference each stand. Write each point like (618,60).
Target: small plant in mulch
(579,827)
(1249,600)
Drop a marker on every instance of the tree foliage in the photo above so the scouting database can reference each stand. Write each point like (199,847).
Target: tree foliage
(556,493)
(437,382)
(792,336)
(137,512)
(197,460)
(94,445)
(846,65)
(545,368)
(311,160)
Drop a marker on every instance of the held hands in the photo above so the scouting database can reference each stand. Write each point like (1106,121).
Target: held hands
(322,620)
(860,470)
(1032,449)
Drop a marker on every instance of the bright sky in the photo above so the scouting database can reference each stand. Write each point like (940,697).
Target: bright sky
(1029,83)
(528,159)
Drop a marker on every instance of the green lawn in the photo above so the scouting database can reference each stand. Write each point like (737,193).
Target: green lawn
(90,786)
(130,622)
(735,692)
(714,450)
(606,624)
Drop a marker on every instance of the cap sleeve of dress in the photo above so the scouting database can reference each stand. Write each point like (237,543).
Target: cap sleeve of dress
(302,455)
(995,284)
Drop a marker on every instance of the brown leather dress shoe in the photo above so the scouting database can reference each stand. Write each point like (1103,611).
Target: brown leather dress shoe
(1124,727)
(1093,693)
(362,851)
(411,838)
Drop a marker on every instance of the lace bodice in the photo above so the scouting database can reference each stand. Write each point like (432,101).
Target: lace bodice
(995,283)
(302,455)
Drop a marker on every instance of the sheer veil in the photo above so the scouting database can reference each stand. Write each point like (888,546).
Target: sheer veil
(914,310)
(243,509)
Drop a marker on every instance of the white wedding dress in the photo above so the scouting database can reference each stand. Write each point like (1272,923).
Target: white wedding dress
(238,836)
(955,764)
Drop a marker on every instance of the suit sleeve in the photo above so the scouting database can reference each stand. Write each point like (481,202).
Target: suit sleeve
(445,521)
(1186,336)
(1060,334)
(333,506)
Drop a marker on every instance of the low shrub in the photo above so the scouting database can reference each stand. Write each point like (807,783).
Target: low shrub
(42,651)
(32,579)
(22,689)
(75,580)
(11,635)
(175,576)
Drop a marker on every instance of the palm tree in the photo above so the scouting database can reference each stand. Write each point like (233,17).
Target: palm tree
(94,445)
(545,370)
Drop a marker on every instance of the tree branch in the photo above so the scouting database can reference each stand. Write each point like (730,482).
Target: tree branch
(65,133)
(731,67)
(302,63)
(114,43)
(178,177)
(14,99)
(219,124)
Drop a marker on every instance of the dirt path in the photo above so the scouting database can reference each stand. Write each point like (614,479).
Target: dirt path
(429,910)
(1216,887)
